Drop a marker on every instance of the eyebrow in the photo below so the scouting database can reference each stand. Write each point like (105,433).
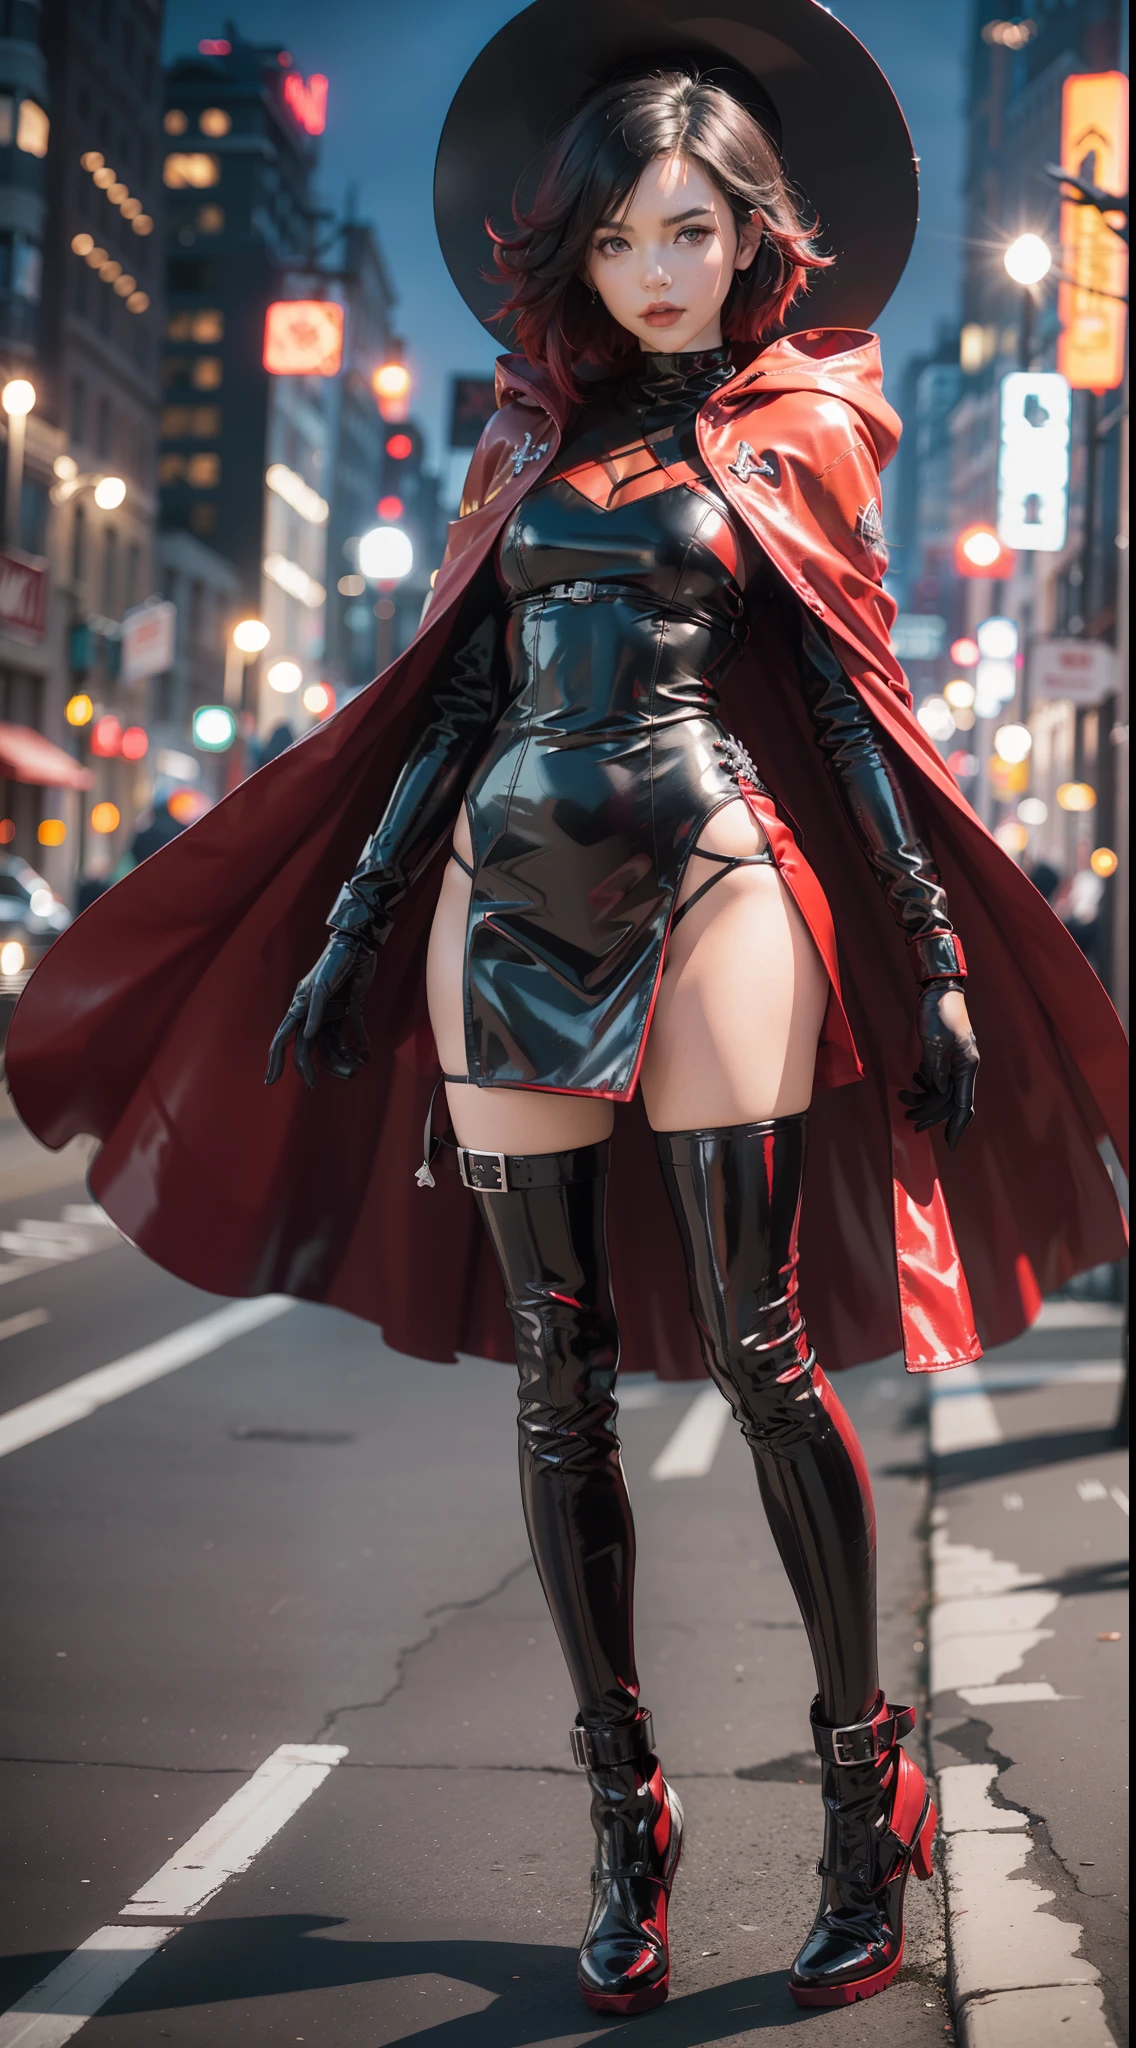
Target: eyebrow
(672,220)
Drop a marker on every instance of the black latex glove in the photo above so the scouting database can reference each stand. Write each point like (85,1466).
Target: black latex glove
(943,1091)
(326,1015)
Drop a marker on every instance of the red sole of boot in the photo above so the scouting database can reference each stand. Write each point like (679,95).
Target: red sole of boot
(846,1994)
(625,2003)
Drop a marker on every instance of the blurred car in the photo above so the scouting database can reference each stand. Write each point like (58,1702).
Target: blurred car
(31,917)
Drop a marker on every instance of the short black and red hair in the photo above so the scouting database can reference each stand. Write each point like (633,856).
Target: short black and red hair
(592,172)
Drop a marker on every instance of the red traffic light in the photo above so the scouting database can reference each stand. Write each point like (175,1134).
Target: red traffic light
(389,507)
(135,744)
(399,447)
(106,737)
(979,552)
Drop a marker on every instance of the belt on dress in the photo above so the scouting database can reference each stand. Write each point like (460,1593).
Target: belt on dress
(608,593)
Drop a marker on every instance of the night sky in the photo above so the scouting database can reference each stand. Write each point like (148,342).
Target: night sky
(393,66)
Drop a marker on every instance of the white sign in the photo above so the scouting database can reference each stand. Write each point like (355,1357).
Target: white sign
(1080,671)
(1033,460)
(148,641)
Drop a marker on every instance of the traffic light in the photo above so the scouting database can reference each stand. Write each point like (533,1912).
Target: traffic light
(400,485)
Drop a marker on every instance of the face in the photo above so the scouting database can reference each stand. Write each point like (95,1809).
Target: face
(664,267)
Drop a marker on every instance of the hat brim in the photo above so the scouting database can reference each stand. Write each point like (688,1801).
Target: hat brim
(843,138)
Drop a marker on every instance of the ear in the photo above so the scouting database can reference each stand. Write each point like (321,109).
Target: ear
(749,241)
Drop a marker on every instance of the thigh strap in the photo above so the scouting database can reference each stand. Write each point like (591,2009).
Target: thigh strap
(726,861)
(466,870)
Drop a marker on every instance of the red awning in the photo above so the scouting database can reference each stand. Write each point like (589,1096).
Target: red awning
(27,756)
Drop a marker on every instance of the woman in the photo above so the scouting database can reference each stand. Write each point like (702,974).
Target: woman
(663,515)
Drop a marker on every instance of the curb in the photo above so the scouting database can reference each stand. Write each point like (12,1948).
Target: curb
(1014,1977)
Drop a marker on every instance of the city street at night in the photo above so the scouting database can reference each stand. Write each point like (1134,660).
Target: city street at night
(564,1007)
(302,1538)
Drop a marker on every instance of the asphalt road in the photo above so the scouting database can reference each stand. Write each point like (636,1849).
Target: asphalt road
(303,1538)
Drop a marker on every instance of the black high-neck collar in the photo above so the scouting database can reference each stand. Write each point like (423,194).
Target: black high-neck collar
(656,373)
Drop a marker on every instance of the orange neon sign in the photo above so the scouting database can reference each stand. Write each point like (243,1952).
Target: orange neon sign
(1094,143)
(303,338)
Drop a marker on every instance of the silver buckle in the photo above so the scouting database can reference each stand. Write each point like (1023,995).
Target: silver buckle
(842,1751)
(484,1172)
(581,593)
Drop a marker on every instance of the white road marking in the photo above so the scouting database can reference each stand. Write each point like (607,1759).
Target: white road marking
(691,1451)
(62,2002)
(1094,1372)
(237,1832)
(1120,1497)
(82,1228)
(80,1397)
(30,1320)
(1013,1695)
(55,2009)
(962,1413)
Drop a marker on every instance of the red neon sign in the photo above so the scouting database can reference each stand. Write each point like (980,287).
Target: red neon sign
(306,101)
(215,46)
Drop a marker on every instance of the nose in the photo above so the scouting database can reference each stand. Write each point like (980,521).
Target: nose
(656,276)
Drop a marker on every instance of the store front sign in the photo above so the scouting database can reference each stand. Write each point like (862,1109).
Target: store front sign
(1077,671)
(148,641)
(1033,460)
(1091,296)
(23,596)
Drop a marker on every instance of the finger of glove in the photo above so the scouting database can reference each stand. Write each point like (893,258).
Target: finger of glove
(302,1059)
(937,1063)
(336,1055)
(317,1004)
(956,1125)
(279,1047)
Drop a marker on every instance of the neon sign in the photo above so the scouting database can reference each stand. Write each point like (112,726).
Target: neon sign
(303,338)
(306,101)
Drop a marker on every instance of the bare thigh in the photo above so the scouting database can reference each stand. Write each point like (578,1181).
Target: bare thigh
(742,1000)
(492,1119)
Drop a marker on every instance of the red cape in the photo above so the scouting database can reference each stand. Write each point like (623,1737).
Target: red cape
(148,1022)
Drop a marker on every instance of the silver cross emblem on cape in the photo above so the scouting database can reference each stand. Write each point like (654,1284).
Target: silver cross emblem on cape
(527,453)
(748,463)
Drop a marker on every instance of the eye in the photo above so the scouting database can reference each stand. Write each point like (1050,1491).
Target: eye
(693,235)
(613,245)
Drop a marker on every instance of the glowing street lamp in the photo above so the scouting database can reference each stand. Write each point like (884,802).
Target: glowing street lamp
(109,493)
(248,638)
(1028,260)
(386,554)
(17,398)
(391,386)
(285,676)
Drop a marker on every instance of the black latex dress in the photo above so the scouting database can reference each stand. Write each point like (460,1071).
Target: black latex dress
(580,718)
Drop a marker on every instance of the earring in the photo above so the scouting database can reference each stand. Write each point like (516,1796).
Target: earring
(594,293)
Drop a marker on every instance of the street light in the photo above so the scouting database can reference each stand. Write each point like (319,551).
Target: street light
(285,676)
(17,398)
(248,638)
(1028,260)
(109,493)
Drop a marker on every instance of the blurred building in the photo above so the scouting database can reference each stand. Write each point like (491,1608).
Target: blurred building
(359,435)
(80,317)
(949,468)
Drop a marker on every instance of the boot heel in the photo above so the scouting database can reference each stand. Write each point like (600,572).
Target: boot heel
(921,1854)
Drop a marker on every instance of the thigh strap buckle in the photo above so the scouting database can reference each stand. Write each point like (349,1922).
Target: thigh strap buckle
(486,1173)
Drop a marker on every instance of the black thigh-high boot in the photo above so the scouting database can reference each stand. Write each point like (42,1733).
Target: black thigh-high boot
(736,1194)
(546,1225)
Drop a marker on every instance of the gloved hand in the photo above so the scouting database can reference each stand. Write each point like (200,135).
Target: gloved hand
(944,1085)
(326,1015)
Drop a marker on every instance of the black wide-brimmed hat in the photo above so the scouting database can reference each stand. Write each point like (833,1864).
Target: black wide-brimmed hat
(816,91)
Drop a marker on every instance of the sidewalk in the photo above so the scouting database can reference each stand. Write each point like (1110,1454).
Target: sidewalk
(1028,1677)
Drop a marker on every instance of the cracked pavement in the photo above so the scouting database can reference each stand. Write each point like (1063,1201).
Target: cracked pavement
(305,1538)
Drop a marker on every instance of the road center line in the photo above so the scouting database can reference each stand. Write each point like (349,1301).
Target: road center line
(692,1449)
(55,2009)
(80,1397)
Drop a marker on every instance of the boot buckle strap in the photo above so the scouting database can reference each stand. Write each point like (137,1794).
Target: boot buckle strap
(487,1173)
(864,1742)
(593,1749)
